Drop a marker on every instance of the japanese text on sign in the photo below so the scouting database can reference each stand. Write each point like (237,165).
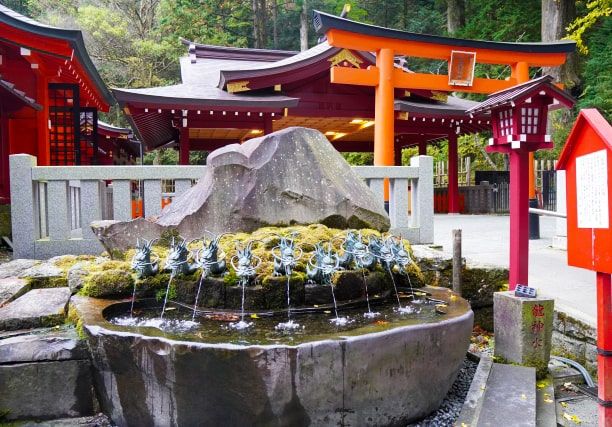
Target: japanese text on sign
(592,190)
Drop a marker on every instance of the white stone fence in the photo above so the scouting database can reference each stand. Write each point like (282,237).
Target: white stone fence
(52,207)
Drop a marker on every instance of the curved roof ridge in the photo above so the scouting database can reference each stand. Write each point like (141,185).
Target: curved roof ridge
(202,50)
(324,21)
(310,55)
(74,37)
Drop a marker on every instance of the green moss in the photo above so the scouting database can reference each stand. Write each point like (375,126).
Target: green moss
(47,282)
(5,220)
(107,283)
(160,295)
(73,318)
(166,237)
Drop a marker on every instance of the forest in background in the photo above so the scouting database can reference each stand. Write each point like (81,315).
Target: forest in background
(135,43)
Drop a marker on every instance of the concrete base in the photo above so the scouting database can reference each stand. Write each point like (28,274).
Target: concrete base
(523,329)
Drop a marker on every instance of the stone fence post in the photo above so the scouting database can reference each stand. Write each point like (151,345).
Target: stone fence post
(23,205)
(423,198)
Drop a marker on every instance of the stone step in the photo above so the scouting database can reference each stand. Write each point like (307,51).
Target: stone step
(12,288)
(473,401)
(99,420)
(45,374)
(546,415)
(46,390)
(509,398)
(39,307)
(43,345)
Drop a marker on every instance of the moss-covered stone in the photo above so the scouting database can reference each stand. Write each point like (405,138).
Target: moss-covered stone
(5,220)
(107,283)
(275,289)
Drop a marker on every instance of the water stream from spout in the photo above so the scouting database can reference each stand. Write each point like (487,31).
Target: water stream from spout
(133,299)
(370,314)
(195,304)
(161,317)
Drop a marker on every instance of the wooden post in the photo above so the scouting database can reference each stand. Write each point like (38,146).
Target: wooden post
(604,348)
(519,218)
(453,176)
(268,129)
(422,148)
(184,146)
(457,264)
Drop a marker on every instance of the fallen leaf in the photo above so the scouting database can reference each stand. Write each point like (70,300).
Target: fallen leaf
(327,312)
(568,384)
(548,400)
(316,306)
(254,316)
(564,404)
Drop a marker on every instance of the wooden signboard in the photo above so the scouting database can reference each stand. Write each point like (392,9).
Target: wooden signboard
(587,159)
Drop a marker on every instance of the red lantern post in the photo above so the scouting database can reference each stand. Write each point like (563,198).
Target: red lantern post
(519,116)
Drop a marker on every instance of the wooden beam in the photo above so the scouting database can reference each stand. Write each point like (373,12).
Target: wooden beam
(403,80)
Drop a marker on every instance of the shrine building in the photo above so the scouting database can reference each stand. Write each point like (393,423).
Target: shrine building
(51,94)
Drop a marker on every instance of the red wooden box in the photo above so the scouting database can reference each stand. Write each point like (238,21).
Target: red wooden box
(587,160)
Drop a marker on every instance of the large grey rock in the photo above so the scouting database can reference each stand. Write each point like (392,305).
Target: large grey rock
(46,390)
(16,267)
(51,345)
(39,307)
(291,176)
(11,288)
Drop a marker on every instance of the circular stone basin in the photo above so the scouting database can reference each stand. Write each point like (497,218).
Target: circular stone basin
(387,370)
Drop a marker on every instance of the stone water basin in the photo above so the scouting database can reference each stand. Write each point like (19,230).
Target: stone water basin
(389,370)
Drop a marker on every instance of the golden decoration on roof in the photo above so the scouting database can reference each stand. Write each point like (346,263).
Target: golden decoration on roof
(439,96)
(239,86)
(345,55)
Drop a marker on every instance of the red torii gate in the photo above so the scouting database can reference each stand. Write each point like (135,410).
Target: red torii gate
(462,55)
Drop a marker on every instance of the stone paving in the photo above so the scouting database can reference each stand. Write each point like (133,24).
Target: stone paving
(39,307)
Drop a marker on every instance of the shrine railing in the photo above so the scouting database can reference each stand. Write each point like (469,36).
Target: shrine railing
(52,207)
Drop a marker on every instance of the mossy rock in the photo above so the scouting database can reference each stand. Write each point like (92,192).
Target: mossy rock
(108,283)
(275,290)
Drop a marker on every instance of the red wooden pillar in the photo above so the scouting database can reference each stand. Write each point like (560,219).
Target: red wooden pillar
(268,129)
(604,348)
(4,162)
(422,148)
(184,146)
(519,218)
(453,178)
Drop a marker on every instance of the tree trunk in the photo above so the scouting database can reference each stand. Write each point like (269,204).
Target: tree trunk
(304,26)
(259,24)
(274,23)
(455,15)
(556,16)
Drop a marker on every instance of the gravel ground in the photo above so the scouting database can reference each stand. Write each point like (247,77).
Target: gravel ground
(451,406)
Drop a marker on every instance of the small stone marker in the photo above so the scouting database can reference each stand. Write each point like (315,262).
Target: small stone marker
(39,307)
(523,329)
